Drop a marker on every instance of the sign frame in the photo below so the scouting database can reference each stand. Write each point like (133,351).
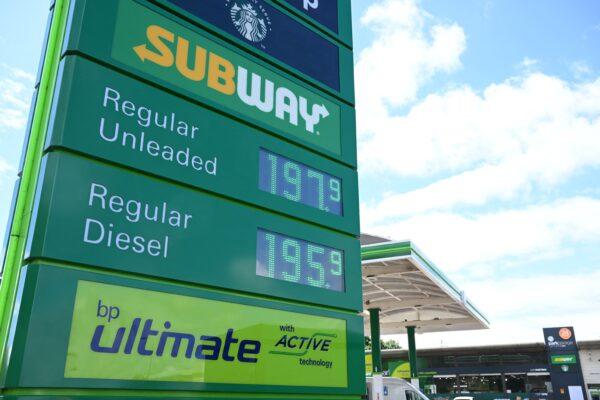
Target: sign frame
(54,238)
(20,281)
(41,282)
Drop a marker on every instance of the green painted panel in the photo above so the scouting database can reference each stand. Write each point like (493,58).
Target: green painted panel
(155,45)
(103,331)
(99,215)
(111,116)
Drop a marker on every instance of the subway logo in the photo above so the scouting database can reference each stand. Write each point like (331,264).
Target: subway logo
(157,45)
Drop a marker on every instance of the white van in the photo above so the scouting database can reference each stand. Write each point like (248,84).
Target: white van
(383,388)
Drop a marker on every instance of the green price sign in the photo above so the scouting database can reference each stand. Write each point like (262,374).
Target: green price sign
(141,39)
(100,331)
(93,214)
(186,222)
(108,115)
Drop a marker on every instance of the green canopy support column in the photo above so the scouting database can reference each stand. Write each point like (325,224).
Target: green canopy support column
(412,352)
(375,340)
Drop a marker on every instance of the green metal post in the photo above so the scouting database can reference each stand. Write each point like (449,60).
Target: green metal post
(412,352)
(375,340)
(33,159)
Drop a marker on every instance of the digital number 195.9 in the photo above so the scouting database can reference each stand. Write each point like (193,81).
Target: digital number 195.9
(298,261)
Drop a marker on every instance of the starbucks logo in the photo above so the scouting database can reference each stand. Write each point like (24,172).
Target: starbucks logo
(250,19)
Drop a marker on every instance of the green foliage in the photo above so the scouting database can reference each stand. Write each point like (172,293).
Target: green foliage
(385,344)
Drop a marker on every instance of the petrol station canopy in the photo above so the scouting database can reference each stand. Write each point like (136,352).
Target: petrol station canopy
(410,290)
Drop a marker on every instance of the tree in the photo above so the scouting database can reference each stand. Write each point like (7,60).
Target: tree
(390,345)
(385,344)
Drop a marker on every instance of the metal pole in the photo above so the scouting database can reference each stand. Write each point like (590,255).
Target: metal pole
(375,340)
(412,352)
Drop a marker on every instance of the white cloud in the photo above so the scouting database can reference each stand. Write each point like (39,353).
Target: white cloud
(405,55)
(581,69)
(458,242)
(5,167)
(488,9)
(6,171)
(16,87)
(7,177)
(526,133)
(523,136)
(528,64)
(459,128)
(18,73)
(532,131)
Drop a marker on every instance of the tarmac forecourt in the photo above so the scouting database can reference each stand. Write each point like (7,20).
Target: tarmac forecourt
(186,219)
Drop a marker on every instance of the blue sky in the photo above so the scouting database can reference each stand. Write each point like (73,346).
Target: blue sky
(479,139)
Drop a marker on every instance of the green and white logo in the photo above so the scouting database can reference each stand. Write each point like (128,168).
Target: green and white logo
(564,359)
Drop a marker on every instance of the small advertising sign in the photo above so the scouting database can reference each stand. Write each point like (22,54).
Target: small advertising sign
(560,338)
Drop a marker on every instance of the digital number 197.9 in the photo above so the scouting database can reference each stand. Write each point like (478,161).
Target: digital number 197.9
(299,183)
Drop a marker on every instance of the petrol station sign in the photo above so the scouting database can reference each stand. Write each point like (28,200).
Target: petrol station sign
(187,218)
(565,367)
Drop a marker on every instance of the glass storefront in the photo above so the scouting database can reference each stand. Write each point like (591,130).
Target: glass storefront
(485,383)
(445,384)
(519,371)
(522,370)
(515,383)
(538,383)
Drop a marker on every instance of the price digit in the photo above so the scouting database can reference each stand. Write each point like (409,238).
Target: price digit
(319,177)
(335,188)
(273,159)
(294,179)
(336,259)
(312,249)
(294,259)
(271,254)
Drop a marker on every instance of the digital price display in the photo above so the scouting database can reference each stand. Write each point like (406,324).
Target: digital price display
(294,260)
(297,182)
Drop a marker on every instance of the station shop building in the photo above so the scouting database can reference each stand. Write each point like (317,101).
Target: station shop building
(516,371)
